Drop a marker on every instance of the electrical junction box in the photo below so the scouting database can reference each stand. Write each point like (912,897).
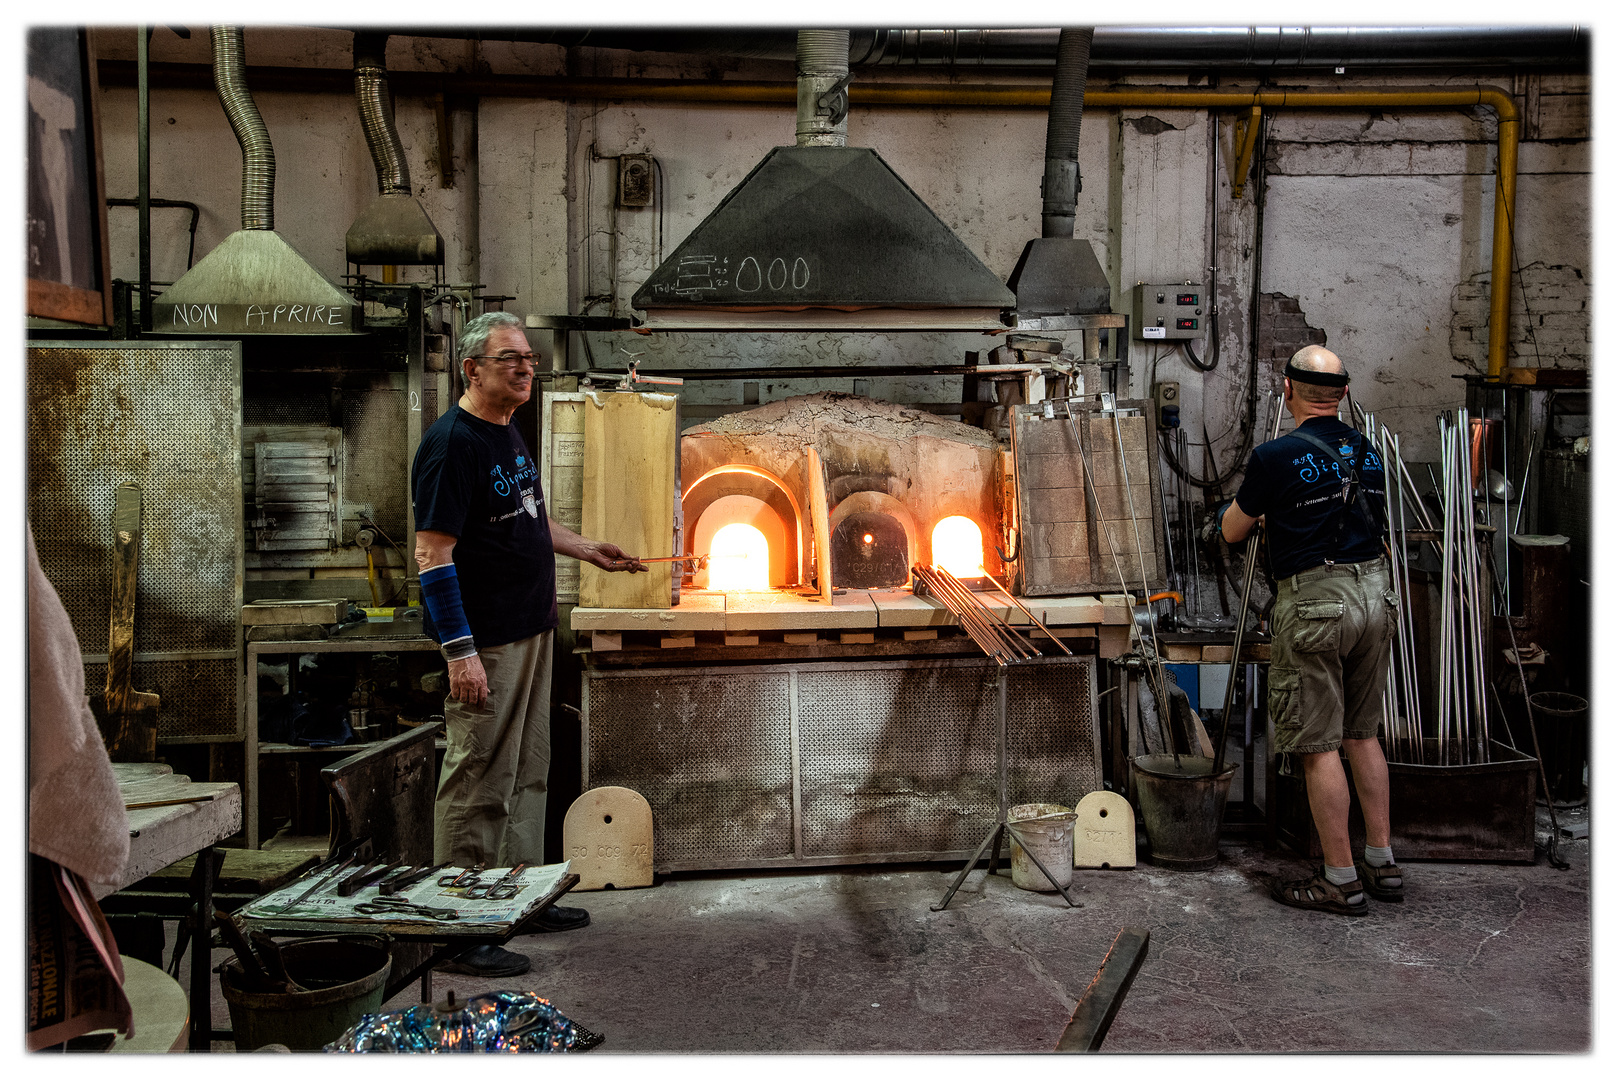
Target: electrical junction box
(635,180)
(1167,396)
(1177,312)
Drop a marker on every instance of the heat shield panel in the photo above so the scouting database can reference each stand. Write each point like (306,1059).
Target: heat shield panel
(885,760)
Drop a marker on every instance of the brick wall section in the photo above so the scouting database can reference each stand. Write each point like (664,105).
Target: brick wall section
(1551,330)
(1283,329)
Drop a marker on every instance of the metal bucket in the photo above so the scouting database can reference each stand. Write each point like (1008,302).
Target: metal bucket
(1047,830)
(1182,807)
(345,979)
(1564,740)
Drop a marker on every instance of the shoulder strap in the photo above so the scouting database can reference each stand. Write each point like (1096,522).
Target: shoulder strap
(1353,490)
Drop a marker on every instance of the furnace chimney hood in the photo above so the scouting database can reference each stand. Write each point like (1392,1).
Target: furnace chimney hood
(254,282)
(822,235)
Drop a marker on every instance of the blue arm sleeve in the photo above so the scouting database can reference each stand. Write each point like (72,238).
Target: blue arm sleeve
(441,592)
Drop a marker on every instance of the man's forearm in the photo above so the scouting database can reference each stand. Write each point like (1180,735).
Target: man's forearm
(569,543)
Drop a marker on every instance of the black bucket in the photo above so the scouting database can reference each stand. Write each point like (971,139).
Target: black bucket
(1182,805)
(1563,723)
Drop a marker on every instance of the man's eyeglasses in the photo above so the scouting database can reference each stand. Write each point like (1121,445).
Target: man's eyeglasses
(510,359)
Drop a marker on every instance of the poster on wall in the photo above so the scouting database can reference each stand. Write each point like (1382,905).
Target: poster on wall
(66,241)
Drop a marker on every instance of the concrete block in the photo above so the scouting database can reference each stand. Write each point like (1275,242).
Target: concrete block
(1104,832)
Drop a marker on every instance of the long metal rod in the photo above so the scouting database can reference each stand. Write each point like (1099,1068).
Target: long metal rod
(143,170)
(1031,616)
(1241,617)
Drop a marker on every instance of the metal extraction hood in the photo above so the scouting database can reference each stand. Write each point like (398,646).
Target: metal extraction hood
(254,282)
(822,235)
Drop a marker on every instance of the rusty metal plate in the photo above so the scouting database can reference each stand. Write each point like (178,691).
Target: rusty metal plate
(165,415)
(869,761)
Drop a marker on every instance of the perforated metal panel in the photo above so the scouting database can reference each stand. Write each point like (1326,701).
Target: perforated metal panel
(168,417)
(711,751)
(894,759)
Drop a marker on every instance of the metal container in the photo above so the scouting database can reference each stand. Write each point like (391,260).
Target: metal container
(1182,805)
(345,979)
(1047,829)
(1563,722)
(1471,813)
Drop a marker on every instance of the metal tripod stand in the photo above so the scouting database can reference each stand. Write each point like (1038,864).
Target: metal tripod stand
(1001,826)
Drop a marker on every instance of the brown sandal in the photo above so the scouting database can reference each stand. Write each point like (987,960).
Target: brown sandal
(1317,894)
(1377,884)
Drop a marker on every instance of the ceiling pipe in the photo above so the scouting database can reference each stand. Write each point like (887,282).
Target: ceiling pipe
(258,156)
(1155,47)
(394,230)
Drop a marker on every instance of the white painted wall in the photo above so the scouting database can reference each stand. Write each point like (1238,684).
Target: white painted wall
(1378,223)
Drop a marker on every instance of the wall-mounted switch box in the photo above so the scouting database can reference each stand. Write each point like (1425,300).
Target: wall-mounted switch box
(1177,312)
(636,180)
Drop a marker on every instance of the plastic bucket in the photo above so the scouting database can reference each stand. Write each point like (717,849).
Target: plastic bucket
(344,977)
(1182,807)
(1047,830)
(1564,741)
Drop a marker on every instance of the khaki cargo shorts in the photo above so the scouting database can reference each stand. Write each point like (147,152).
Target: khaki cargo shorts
(1329,657)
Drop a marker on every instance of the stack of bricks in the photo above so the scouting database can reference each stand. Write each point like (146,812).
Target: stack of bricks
(1117,492)
(1055,518)
(1283,329)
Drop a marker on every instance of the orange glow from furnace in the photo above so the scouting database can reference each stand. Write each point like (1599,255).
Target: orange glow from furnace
(739,559)
(958,547)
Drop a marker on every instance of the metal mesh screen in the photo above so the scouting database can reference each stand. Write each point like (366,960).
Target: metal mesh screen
(894,758)
(709,749)
(168,417)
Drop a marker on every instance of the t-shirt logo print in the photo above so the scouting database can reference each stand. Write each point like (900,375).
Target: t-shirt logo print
(529,504)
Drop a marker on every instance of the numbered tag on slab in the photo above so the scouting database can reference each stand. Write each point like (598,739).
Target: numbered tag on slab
(1104,833)
(607,837)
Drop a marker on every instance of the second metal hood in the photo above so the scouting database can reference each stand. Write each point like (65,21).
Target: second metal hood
(818,230)
(822,235)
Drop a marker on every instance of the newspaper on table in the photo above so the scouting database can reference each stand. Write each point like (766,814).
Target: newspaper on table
(472,914)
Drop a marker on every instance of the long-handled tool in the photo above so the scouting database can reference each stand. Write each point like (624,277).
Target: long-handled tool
(127,717)
(321,881)
(400,882)
(1241,623)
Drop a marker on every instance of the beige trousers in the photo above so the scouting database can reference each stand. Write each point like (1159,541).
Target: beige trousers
(491,792)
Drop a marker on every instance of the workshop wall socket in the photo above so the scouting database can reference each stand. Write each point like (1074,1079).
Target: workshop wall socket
(1175,312)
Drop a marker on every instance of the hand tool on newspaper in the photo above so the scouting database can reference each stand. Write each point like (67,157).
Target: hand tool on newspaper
(462,878)
(504,888)
(400,882)
(398,905)
(369,876)
(322,880)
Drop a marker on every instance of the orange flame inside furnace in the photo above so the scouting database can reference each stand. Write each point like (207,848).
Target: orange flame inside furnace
(739,559)
(958,547)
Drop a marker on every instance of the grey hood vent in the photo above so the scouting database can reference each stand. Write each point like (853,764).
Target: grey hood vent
(393,230)
(823,236)
(254,282)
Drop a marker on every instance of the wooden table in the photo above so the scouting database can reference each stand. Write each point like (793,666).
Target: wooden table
(162,834)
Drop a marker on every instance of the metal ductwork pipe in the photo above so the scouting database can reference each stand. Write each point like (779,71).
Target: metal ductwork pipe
(258,158)
(376,112)
(822,87)
(1062,183)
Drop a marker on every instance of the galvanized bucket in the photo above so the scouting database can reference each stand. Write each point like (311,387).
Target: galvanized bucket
(1182,806)
(1047,830)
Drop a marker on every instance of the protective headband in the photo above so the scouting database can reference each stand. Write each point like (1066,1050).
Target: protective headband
(1318,378)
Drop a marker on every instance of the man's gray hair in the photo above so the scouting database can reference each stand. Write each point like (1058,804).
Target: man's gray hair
(475,335)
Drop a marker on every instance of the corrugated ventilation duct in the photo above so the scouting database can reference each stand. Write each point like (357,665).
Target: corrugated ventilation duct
(394,230)
(254,282)
(1059,274)
(822,235)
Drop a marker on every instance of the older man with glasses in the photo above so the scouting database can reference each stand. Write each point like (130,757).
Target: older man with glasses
(487,549)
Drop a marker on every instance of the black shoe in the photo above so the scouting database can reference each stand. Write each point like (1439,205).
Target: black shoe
(555,919)
(489,961)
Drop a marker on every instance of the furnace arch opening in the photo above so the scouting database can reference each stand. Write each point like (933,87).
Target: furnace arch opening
(785,536)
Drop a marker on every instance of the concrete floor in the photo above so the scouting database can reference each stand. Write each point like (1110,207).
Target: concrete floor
(1480,958)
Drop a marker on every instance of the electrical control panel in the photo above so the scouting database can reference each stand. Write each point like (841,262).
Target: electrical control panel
(1177,312)
(1167,396)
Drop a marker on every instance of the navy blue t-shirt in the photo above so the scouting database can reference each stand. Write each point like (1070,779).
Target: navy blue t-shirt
(1299,489)
(478,482)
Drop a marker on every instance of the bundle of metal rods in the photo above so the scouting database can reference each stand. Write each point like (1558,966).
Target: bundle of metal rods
(1401,700)
(1461,674)
(998,641)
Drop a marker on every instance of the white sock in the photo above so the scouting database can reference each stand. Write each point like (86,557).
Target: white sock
(1379,856)
(1341,875)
